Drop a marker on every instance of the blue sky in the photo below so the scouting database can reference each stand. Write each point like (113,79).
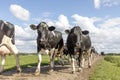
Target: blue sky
(100,17)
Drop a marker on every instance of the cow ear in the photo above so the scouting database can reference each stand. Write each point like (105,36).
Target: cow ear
(33,27)
(51,28)
(67,31)
(85,32)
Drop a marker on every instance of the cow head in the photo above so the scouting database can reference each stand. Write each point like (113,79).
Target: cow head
(74,36)
(43,30)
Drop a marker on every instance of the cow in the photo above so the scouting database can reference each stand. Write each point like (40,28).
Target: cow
(78,46)
(94,53)
(49,41)
(7,43)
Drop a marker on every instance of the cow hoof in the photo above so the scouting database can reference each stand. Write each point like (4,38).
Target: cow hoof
(73,72)
(89,66)
(62,64)
(37,73)
(19,70)
(79,69)
(51,70)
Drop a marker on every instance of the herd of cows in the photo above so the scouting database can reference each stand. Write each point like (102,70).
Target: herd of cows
(78,45)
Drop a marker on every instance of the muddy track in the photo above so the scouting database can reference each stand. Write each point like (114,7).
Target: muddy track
(60,73)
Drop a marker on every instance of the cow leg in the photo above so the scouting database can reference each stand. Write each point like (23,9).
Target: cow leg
(2,63)
(60,59)
(83,63)
(89,58)
(18,63)
(15,51)
(37,72)
(89,62)
(52,56)
(59,56)
(73,63)
(79,63)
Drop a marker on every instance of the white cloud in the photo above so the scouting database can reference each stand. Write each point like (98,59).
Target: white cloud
(111,23)
(97,4)
(46,14)
(110,3)
(19,12)
(106,3)
(62,23)
(85,22)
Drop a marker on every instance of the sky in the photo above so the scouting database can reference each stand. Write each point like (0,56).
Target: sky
(100,17)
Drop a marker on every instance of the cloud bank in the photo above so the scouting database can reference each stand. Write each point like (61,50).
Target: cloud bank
(104,32)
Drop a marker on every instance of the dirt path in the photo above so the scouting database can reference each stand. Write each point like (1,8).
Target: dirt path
(60,73)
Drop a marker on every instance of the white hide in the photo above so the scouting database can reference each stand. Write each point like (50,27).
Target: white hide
(53,33)
(47,51)
(73,64)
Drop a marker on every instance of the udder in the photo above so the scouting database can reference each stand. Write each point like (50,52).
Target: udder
(4,50)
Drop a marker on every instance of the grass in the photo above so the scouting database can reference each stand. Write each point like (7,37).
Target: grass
(25,61)
(108,69)
(113,59)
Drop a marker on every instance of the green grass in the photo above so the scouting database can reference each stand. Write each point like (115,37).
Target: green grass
(108,69)
(25,61)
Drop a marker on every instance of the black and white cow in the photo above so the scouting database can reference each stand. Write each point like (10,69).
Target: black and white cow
(94,53)
(7,43)
(49,41)
(78,45)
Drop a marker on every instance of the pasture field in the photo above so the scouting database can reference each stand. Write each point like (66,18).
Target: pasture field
(25,61)
(108,69)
